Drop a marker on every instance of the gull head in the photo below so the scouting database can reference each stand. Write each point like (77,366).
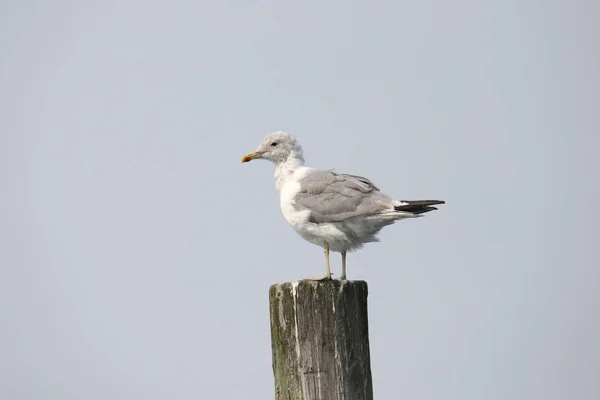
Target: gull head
(276,147)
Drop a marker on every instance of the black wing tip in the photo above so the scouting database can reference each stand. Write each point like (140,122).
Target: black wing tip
(418,206)
(425,202)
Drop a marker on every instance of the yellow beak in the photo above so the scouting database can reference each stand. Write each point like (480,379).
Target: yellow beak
(252,155)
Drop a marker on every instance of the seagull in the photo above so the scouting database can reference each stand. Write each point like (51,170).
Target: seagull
(338,212)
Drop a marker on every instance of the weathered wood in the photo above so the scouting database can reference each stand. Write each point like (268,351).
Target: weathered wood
(320,340)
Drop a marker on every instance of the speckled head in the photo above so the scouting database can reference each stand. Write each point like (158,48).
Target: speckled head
(276,147)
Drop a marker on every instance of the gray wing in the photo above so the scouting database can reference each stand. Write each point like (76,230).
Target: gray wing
(334,197)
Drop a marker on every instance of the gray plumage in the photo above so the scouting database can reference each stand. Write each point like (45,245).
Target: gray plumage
(333,197)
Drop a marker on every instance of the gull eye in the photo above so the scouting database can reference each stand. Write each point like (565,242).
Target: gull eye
(274,144)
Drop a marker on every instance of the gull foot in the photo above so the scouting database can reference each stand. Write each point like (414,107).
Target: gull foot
(323,278)
(342,278)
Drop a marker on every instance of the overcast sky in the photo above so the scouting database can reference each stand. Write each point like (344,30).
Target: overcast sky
(137,251)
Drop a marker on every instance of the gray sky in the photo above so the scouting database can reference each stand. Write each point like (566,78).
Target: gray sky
(137,251)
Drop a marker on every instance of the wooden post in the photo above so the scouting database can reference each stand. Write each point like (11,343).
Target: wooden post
(320,340)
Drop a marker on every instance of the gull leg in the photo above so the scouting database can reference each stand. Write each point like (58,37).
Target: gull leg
(343,276)
(327,275)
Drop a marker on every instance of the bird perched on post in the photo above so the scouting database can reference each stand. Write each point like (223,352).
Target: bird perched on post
(338,212)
